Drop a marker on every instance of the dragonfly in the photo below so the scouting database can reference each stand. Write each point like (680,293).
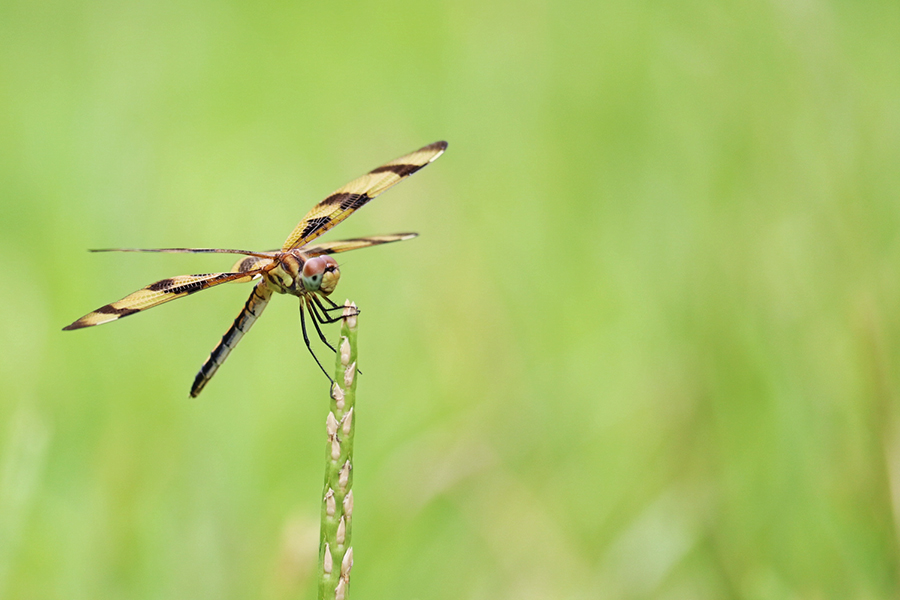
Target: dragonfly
(300,268)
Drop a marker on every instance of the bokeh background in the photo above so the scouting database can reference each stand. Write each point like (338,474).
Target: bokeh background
(645,347)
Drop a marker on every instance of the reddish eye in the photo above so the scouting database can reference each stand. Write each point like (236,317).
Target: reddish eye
(320,274)
(314,266)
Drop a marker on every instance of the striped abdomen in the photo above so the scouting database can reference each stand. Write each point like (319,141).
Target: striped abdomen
(254,306)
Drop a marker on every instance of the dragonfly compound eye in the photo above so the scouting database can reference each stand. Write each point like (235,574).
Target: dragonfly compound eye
(330,277)
(320,274)
(313,269)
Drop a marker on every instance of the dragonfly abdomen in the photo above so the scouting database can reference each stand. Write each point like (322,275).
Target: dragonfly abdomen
(247,317)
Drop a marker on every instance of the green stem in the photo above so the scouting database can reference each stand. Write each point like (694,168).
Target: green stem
(335,552)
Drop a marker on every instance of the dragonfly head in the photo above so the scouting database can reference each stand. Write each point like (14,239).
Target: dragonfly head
(320,274)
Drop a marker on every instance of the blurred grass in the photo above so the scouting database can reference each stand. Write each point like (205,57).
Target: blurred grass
(646,346)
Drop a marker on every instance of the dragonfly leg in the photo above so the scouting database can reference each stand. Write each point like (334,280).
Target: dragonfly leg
(331,302)
(333,305)
(325,319)
(308,346)
(316,317)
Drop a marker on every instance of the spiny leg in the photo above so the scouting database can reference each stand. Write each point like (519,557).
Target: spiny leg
(326,319)
(331,302)
(315,319)
(333,307)
(308,346)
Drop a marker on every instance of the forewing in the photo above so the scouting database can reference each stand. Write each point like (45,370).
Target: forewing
(353,244)
(188,251)
(156,294)
(340,204)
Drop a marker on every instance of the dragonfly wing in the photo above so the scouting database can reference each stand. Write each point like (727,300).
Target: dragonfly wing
(251,263)
(156,294)
(188,251)
(352,244)
(254,306)
(344,201)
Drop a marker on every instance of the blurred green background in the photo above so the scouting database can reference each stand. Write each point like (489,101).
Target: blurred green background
(646,346)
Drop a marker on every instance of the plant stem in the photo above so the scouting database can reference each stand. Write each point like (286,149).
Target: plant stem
(335,552)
